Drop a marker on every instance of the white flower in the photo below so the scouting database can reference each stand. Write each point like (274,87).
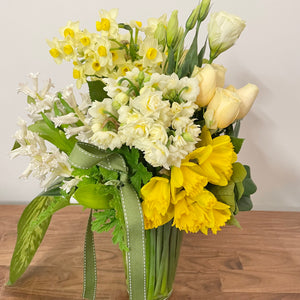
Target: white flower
(68,95)
(106,139)
(153,23)
(188,88)
(151,52)
(35,93)
(65,119)
(101,111)
(69,184)
(158,132)
(223,31)
(85,103)
(156,154)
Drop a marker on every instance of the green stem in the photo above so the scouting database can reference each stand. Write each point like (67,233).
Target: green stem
(159,243)
(172,269)
(165,258)
(152,264)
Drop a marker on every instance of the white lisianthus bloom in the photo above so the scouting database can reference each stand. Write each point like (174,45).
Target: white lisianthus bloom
(223,31)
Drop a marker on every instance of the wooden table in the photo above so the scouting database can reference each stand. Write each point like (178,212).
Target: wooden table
(261,261)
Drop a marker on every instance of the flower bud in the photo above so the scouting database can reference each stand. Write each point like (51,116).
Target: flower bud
(248,94)
(204,9)
(172,27)
(160,34)
(191,21)
(120,99)
(222,109)
(223,31)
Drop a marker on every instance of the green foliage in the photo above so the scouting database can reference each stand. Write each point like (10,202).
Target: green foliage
(30,100)
(171,61)
(201,55)
(138,172)
(237,143)
(107,219)
(96,90)
(96,196)
(46,130)
(16,146)
(32,227)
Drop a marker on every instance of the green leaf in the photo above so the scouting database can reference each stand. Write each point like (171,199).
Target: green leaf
(190,61)
(96,196)
(96,90)
(201,55)
(57,112)
(141,176)
(171,61)
(249,185)
(234,221)
(245,204)
(16,146)
(32,227)
(67,107)
(30,100)
(53,135)
(237,143)
(224,194)
(108,174)
(239,172)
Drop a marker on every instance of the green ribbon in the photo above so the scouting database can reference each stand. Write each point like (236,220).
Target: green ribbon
(85,156)
(90,267)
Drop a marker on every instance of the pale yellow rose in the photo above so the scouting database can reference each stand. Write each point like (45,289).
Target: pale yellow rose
(210,77)
(222,109)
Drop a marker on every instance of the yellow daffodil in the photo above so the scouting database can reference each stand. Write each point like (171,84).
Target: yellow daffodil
(156,205)
(201,212)
(107,24)
(55,50)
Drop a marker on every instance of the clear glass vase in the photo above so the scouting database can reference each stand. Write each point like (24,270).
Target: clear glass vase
(162,254)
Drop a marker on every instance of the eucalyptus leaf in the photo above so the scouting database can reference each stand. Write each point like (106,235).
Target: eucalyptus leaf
(245,204)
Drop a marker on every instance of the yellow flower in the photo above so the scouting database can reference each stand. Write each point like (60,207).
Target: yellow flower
(200,213)
(107,24)
(70,30)
(156,202)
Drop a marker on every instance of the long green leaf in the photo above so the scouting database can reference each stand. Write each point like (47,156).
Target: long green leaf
(53,135)
(29,237)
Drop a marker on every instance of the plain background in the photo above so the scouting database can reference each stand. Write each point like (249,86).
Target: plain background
(267,54)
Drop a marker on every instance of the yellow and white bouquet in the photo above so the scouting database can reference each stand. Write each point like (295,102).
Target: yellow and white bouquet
(151,150)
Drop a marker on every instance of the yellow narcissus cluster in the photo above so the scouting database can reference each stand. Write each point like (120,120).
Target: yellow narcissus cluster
(183,197)
(223,105)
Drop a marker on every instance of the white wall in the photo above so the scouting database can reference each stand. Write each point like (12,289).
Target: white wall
(267,54)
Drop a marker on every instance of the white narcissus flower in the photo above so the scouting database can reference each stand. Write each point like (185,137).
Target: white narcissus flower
(151,52)
(223,31)
(188,89)
(222,109)
(106,139)
(108,24)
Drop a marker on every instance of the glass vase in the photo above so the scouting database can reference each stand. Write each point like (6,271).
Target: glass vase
(162,253)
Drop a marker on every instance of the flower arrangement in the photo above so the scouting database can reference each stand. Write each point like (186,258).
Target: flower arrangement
(151,150)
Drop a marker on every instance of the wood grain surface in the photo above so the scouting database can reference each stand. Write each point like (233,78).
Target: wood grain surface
(260,261)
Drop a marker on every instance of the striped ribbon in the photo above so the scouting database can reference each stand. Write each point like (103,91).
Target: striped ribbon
(85,156)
